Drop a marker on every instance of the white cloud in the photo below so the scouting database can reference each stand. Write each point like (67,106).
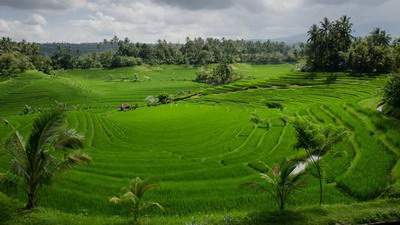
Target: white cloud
(149,20)
(32,31)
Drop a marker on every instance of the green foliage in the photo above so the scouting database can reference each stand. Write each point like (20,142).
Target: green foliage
(35,161)
(283,181)
(132,198)
(330,47)
(209,135)
(392,92)
(367,57)
(274,105)
(164,98)
(124,61)
(220,74)
(13,63)
(151,100)
(327,42)
(317,141)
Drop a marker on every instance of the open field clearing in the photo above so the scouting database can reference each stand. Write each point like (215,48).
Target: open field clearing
(199,149)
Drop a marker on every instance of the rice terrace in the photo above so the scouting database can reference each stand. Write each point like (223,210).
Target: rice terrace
(210,131)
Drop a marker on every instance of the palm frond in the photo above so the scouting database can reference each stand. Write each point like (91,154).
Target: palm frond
(147,205)
(254,185)
(46,129)
(69,139)
(15,147)
(74,159)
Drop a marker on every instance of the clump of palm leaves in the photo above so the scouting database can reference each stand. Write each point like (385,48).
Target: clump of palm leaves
(132,197)
(50,148)
(316,141)
(280,181)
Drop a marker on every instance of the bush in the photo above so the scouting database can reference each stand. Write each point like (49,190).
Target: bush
(164,99)
(392,92)
(124,61)
(13,63)
(274,105)
(364,57)
(221,74)
(42,63)
(151,101)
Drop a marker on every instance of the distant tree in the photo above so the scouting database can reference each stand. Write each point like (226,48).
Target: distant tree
(280,181)
(105,59)
(36,161)
(372,54)
(132,198)
(396,54)
(392,92)
(63,58)
(317,141)
(12,63)
(164,98)
(326,44)
(124,61)
(220,74)
(42,63)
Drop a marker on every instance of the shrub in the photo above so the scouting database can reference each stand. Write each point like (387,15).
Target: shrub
(123,61)
(151,101)
(13,63)
(392,92)
(164,99)
(221,74)
(274,105)
(132,198)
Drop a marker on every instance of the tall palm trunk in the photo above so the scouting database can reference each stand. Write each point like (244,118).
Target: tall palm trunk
(318,167)
(32,196)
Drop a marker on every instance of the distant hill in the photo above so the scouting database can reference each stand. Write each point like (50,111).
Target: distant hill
(77,48)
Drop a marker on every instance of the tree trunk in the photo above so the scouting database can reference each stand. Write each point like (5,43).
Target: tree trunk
(32,196)
(31,203)
(320,185)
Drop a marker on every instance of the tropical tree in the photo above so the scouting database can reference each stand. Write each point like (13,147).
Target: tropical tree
(392,92)
(326,44)
(316,141)
(132,197)
(38,159)
(280,181)
(372,54)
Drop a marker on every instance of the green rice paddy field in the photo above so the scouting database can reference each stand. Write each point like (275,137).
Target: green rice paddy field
(198,149)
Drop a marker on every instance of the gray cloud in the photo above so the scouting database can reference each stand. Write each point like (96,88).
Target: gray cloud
(198,5)
(338,2)
(173,20)
(42,4)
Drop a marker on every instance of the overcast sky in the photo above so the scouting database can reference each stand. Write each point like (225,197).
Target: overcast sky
(173,20)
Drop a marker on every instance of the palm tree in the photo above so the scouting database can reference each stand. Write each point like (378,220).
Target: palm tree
(284,181)
(317,141)
(132,197)
(35,160)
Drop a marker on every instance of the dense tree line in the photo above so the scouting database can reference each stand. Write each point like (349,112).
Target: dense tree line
(201,51)
(16,57)
(19,56)
(331,47)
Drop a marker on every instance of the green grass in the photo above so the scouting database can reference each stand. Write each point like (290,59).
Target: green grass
(199,149)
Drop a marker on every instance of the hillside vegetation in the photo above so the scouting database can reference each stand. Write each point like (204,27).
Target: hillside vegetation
(200,149)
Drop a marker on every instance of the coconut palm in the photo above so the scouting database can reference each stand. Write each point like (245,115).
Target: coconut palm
(284,181)
(132,197)
(50,148)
